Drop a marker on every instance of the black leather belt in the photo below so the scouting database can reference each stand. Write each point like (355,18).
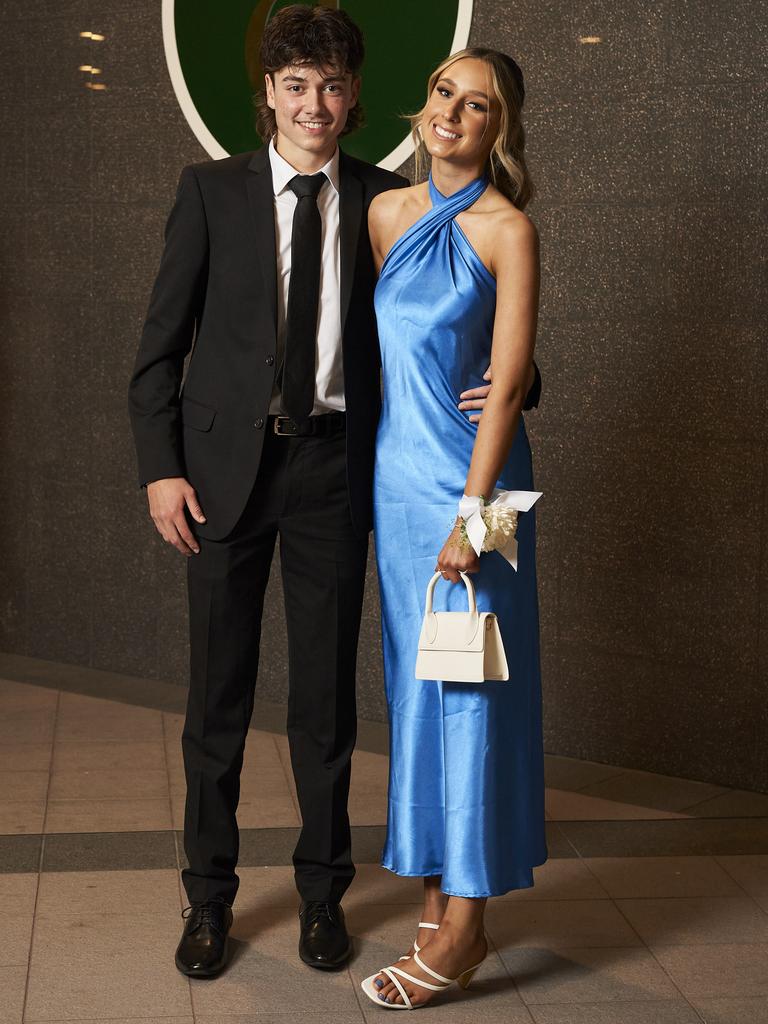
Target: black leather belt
(322,425)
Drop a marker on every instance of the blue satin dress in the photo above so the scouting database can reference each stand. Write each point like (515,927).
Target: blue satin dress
(466,779)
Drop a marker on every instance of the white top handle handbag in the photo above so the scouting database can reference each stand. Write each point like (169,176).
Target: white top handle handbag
(462,647)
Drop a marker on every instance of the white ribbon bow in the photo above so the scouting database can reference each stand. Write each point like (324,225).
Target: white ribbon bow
(470,510)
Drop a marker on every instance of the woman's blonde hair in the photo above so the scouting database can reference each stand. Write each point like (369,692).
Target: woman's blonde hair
(506,168)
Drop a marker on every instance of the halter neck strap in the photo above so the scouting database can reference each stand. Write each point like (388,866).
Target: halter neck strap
(444,209)
(480,184)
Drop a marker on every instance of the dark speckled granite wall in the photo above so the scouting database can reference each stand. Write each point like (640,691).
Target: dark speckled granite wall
(650,444)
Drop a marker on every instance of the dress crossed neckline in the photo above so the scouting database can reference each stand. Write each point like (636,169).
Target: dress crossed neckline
(461,200)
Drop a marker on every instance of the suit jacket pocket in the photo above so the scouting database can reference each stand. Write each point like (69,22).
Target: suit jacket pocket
(196,415)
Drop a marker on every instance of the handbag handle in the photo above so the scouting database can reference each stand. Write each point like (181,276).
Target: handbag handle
(467,583)
(429,615)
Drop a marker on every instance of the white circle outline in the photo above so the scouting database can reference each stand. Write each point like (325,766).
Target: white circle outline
(214,148)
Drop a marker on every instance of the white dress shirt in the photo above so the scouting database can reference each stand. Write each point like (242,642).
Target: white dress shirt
(329,375)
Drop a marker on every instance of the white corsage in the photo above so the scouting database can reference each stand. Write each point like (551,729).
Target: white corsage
(492,525)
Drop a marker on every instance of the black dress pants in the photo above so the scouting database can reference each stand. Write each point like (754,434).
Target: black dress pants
(300,496)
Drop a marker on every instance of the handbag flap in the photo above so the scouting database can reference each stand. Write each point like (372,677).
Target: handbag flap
(451,631)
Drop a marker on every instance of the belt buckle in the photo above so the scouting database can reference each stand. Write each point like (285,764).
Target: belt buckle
(292,430)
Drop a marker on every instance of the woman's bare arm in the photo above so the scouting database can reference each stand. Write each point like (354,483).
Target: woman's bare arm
(516,266)
(517,271)
(385,215)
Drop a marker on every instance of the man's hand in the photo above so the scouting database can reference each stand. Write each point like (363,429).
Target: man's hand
(167,500)
(475,398)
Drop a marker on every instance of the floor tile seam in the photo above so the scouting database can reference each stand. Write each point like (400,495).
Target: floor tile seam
(762,946)
(509,974)
(503,903)
(666,816)
(98,799)
(717,796)
(603,1004)
(146,916)
(716,896)
(612,778)
(649,946)
(593,874)
(614,1002)
(12,745)
(40,862)
(704,945)
(83,740)
(567,840)
(44,823)
(723,790)
(672,821)
(357,990)
(107,771)
(105,832)
(687,811)
(724,867)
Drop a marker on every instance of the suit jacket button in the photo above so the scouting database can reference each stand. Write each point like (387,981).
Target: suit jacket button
(269,360)
(259,423)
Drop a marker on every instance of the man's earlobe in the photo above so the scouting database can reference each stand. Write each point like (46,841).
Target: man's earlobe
(356,85)
(269,90)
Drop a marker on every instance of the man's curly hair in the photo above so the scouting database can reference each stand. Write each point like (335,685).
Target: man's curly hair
(318,36)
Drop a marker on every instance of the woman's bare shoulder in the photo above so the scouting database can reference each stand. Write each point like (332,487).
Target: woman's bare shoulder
(508,221)
(388,204)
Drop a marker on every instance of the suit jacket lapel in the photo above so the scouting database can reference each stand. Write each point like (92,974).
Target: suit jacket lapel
(261,202)
(350,215)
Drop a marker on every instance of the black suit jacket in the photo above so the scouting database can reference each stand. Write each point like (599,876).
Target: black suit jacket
(216,295)
(217,284)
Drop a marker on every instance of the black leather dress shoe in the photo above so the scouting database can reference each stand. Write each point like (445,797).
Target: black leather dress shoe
(324,941)
(202,951)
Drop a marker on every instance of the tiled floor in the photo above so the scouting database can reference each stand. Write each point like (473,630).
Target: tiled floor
(652,907)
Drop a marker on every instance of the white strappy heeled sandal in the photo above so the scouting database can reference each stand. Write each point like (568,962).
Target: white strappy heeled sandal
(392,972)
(416,946)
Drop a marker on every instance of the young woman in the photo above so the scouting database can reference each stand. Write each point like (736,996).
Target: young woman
(458,285)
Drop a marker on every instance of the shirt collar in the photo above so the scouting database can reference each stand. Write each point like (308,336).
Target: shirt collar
(283,172)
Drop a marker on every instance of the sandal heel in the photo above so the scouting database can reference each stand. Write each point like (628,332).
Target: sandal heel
(465,978)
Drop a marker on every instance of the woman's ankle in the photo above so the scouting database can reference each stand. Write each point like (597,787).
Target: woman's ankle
(433,910)
(463,932)
(435,900)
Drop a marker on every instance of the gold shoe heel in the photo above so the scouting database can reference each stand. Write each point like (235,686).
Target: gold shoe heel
(465,978)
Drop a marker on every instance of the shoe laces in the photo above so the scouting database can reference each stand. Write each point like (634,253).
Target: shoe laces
(204,913)
(315,910)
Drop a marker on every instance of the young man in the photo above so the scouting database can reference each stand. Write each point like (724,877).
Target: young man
(267,267)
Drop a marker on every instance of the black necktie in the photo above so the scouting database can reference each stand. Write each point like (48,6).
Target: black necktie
(297,380)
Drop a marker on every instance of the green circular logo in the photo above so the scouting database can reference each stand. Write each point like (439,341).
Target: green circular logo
(212,54)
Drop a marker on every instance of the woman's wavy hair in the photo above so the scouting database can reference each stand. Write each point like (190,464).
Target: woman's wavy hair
(299,35)
(506,168)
